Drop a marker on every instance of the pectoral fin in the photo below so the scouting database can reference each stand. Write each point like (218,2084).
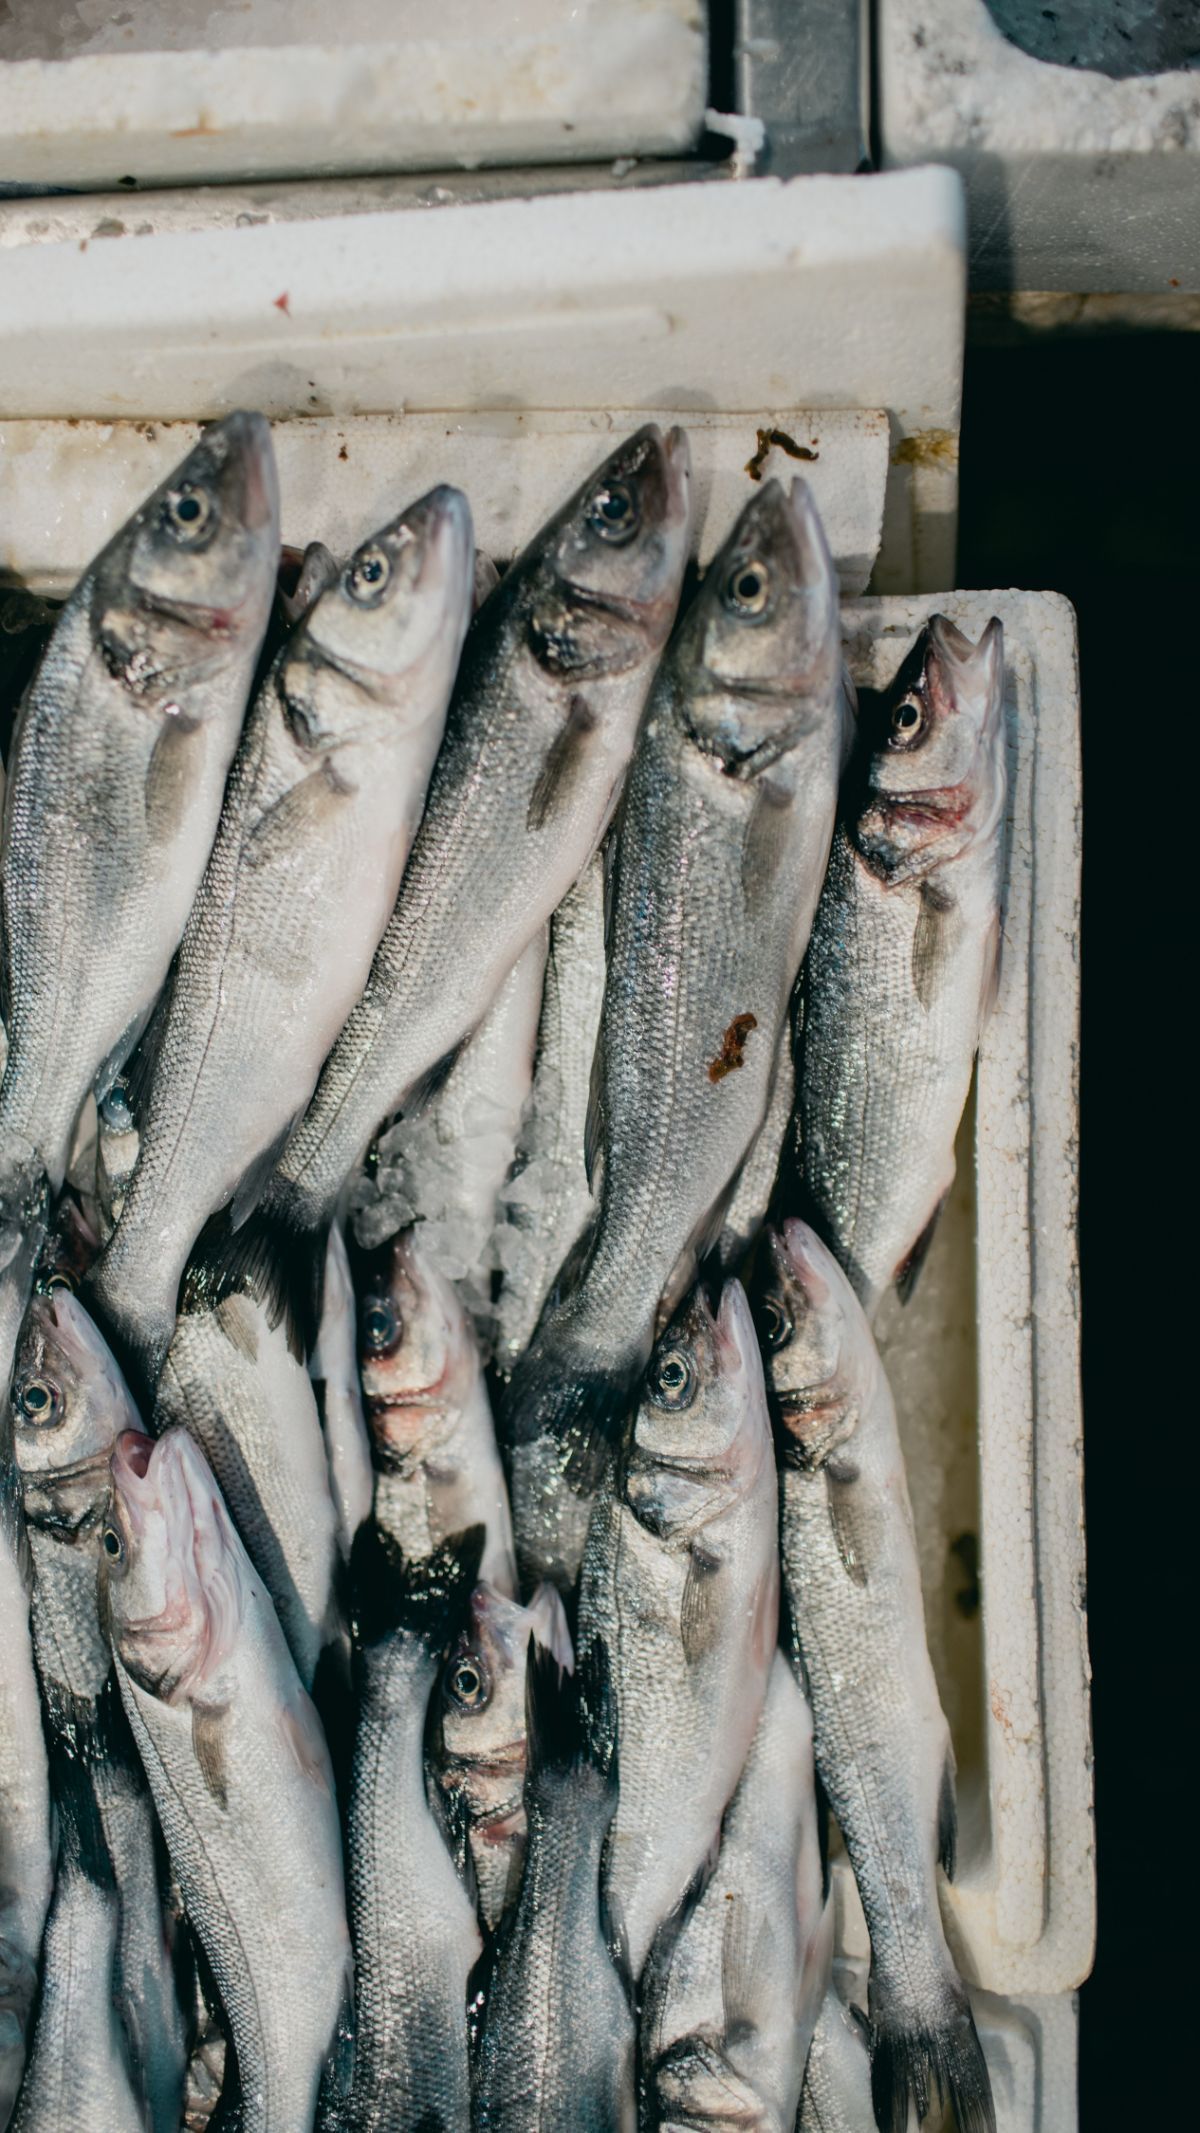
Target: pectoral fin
(208,1745)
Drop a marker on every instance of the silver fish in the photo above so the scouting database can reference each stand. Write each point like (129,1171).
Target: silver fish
(479,1746)
(556,2047)
(437,1467)
(444,1166)
(235,1378)
(555,671)
(837,2080)
(324,797)
(25,1870)
(723,840)
(882,1744)
(730,2000)
(78,2072)
(333,1368)
(238,1767)
(681,1583)
(69,1404)
(902,966)
(118,765)
(547,1202)
(416,1937)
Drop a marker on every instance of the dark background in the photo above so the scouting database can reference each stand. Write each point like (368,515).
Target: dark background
(1081,475)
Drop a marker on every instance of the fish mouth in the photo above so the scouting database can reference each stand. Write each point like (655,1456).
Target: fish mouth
(801,1252)
(496,1762)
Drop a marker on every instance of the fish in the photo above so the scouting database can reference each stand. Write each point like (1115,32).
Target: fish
(333,1368)
(903,965)
(416,1936)
(123,742)
(731,1996)
(238,1767)
(557,2037)
(547,1202)
(752,1195)
(837,2079)
(479,1751)
(437,1466)
(444,1165)
(25,1856)
(69,1403)
(680,1581)
(78,2072)
(324,797)
(857,1637)
(235,1378)
(724,833)
(554,675)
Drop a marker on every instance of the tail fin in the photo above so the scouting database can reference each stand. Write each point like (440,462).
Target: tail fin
(916,2063)
(424,1597)
(582,1406)
(258,1260)
(570,1719)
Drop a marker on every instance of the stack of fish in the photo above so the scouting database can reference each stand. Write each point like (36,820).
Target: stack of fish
(460,1116)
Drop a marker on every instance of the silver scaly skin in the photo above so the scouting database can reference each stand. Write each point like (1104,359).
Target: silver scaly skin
(882,1744)
(731,1999)
(78,2070)
(479,1748)
(747,1210)
(333,1367)
(554,675)
(837,2080)
(680,1582)
(323,801)
(69,1403)
(238,1767)
(118,766)
(902,966)
(25,1866)
(723,838)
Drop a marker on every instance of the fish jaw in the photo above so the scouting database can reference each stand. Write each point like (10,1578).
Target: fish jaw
(935,776)
(173,1586)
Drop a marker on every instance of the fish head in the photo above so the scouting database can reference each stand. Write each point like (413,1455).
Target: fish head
(935,773)
(70,1248)
(191,576)
(481,1700)
(700,1432)
(819,1353)
(761,641)
(606,574)
(69,1404)
(174,1576)
(402,600)
(416,1352)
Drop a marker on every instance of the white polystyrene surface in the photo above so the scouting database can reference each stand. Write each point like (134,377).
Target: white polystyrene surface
(65,487)
(171,93)
(822,293)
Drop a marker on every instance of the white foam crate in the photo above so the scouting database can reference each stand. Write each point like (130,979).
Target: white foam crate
(185,91)
(1076,181)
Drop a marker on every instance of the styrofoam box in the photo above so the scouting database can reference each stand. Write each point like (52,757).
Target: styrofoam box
(1076,181)
(178,91)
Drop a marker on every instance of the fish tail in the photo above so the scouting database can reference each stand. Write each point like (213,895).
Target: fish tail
(281,1270)
(578,1402)
(570,1718)
(918,2061)
(423,1595)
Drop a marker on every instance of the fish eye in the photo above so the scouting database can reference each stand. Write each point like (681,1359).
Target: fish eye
(367,574)
(380,1326)
(115,1109)
(187,512)
(465,1683)
(908,718)
(613,513)
(673,1379)
(38,1402)
(112,1544)
(748,587)
(775,1324)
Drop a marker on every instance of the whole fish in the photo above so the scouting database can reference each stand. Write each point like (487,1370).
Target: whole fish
(25,1869)
(444,1166)
(333,1368)
(547,1202)
(731,1998)
(554,675)
(837,2080)
(902,966)
(723,840)
(238,1767)
(235,1379)
(416,1937)
(69,1404)
(556,2047)
(882,1745)
(123,742)
(323,800)
(479,1750)
(437,1466)
(681,1583)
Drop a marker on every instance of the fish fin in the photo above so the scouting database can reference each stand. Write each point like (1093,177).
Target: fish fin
(745,1969)
(947,1823)
(908,1272)
(255,1178)
(170,777)
(299,816)
(699,1611)
(424,1596)
(141,1062)
(939,926)
(122,1050)
(850,1530)
(581,1408)
(560,771)
(301,1731)
(249,1262)
(990,988)
(548,1623)
(593,1129)
(423,1090)
(208,1747)
(913,2062)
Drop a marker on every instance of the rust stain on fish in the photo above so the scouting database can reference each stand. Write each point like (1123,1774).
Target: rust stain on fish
(733,1047)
